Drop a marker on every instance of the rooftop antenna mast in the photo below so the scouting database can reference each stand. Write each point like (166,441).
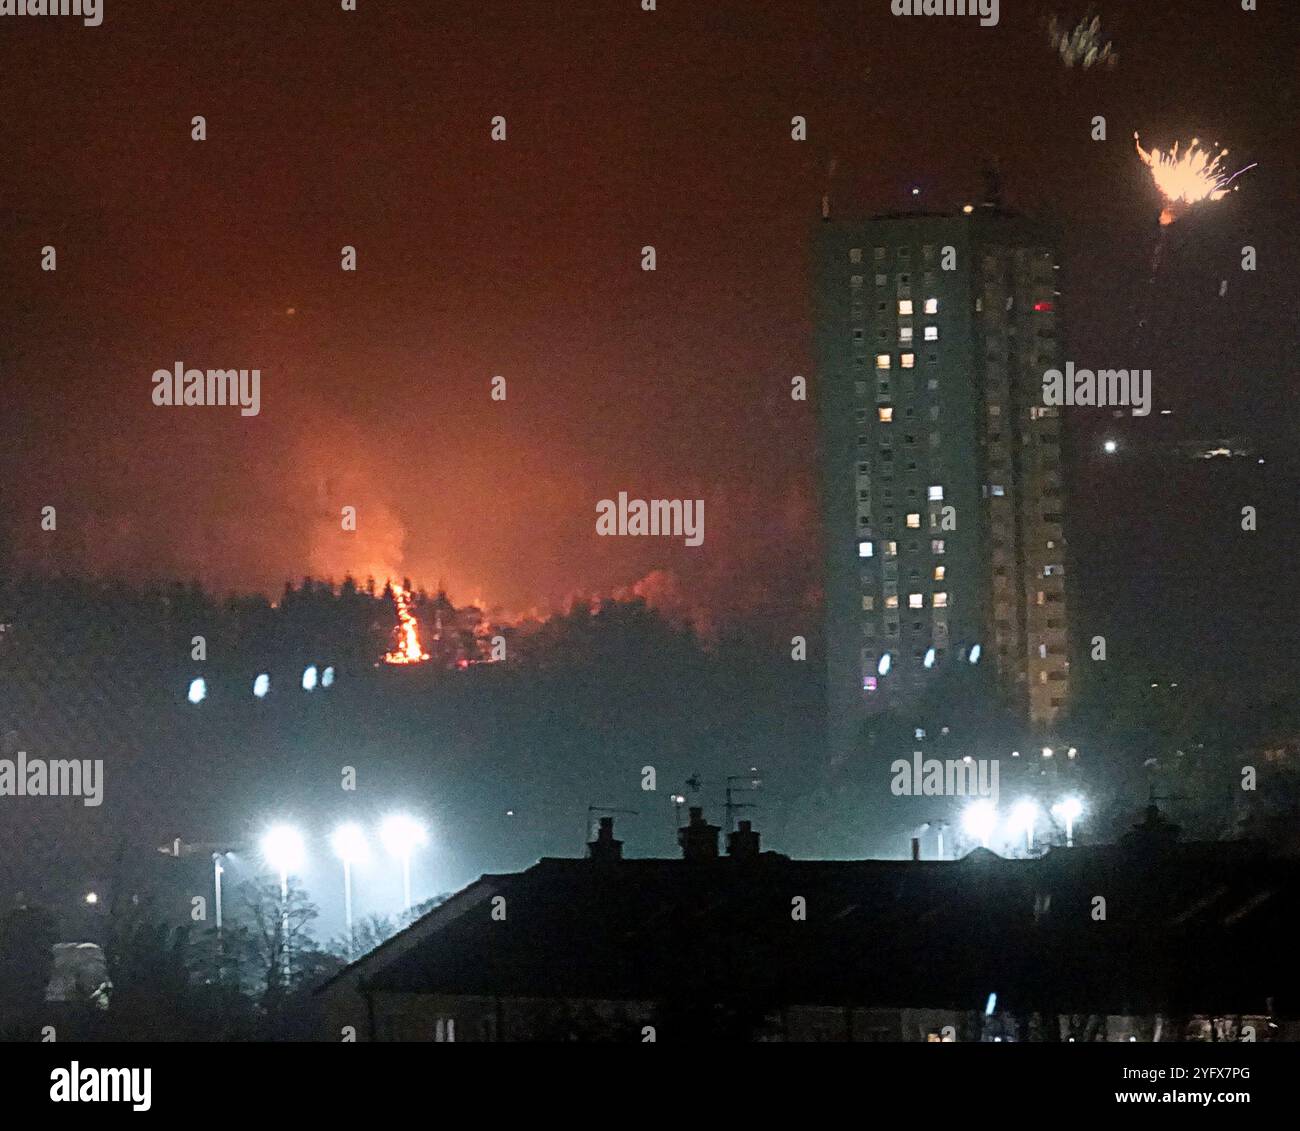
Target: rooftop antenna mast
(751,782)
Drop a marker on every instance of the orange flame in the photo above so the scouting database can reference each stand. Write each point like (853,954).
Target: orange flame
(408,650)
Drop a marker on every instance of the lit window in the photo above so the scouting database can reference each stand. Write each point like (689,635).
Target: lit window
(932,306)
(914,521)
(936,494)
(941,600)
(915,601)
(882,361)
(891,549)
(869,683)
(940,572)
(932,333)
(905,334)
(998,490)
(868,604)
(855,255)
(905,306)
(908,360)
(866,550)
(936,546)
(891,602)
(886,415)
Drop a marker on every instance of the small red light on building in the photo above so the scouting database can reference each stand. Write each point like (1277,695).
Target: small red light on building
(1044,306)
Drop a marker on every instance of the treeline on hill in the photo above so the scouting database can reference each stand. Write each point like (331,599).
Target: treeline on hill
(507,757)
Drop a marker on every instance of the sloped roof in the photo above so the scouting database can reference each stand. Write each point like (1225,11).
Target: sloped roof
(1180,932)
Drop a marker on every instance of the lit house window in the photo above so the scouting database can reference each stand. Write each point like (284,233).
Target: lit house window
(932,333)
(891,549)
(936,546)
(915,601)
(932,306)
(905,306)
(941,600)
(914,521)
(936,494)
(882,361)
(891,602)
(869,683)
(940,572)
(908,360)
(866,550)
(886,415)
(905,333)
(855,255)
(868,604)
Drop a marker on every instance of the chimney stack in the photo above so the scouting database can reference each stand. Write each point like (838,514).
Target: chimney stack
(698,838)
(743,843)
(916,848)
(605,847)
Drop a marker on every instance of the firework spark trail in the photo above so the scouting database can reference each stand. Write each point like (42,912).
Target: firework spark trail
(1183,180)
(1187,179)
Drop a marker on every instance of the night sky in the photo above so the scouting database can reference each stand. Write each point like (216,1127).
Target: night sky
(476,258)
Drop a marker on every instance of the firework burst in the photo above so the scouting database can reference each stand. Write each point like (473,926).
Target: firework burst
(1083,45)
(1188,178)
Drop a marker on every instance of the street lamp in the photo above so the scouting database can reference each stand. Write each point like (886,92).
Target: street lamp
(1068,810)
(401,836)
(979,820)
(1023,818)
(350,846)
(283,849)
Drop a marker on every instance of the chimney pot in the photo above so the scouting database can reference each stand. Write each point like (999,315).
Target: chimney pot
(698,839)
(605,847)
(743,843)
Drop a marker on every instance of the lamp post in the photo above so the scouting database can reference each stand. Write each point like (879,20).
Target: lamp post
(401,836)
(283,850)
(1068,810)
(1023,818)
(349,844)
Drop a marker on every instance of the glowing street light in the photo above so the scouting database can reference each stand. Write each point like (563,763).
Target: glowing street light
(401,836)
(350,846)
(282,848)
(1024,816)
(1068,810)
(979,820)
(1110,447)
(198,690)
